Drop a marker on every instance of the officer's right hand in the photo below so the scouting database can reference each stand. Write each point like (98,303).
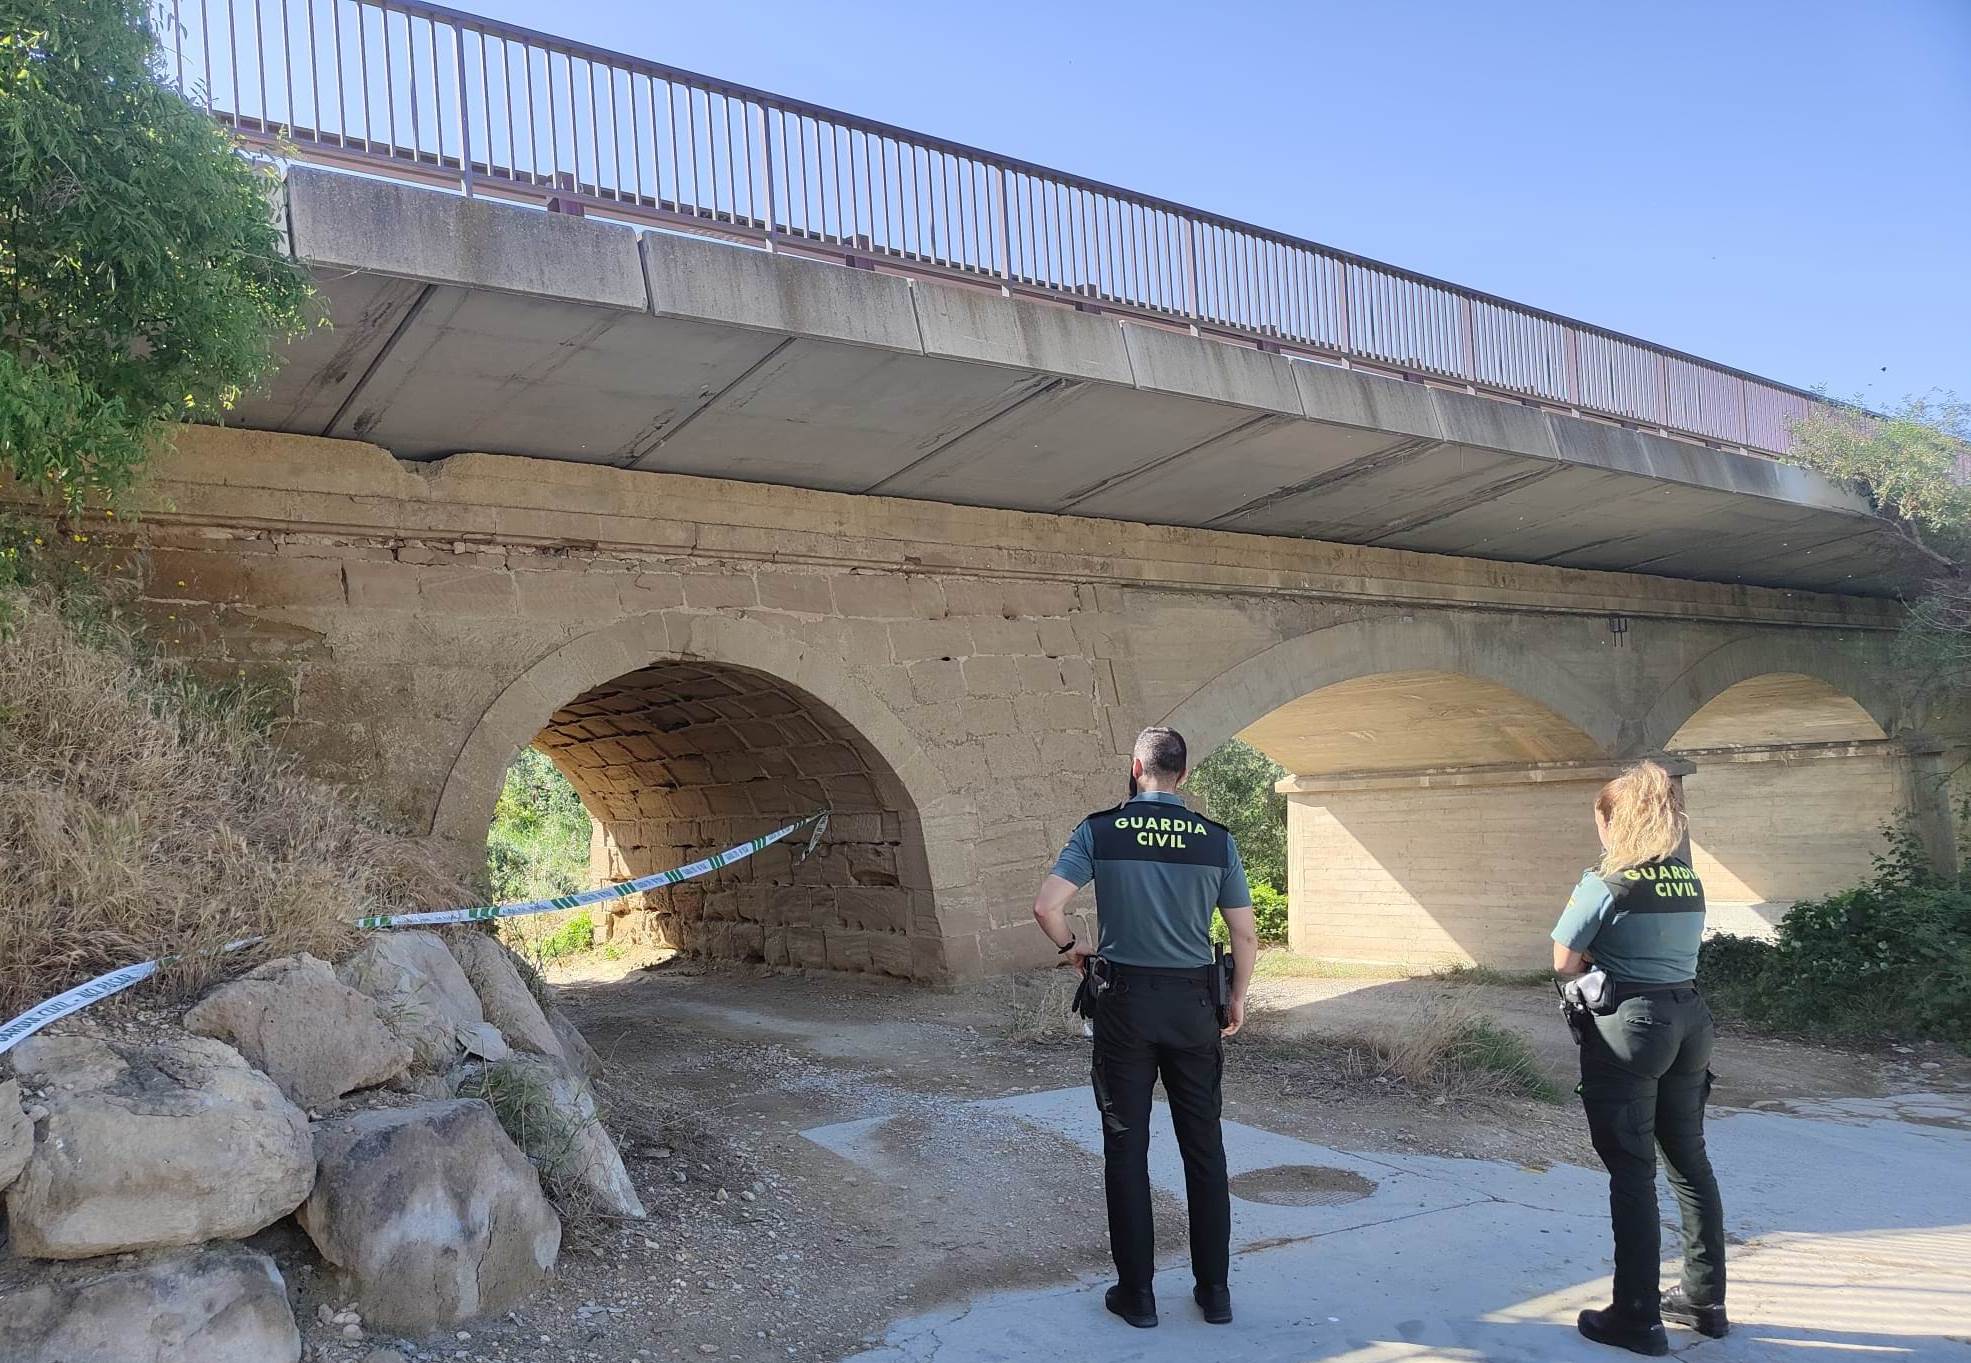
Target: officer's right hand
(1235,1017)
(1079,956)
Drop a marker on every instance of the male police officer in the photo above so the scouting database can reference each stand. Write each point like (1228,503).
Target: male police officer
(1159,871)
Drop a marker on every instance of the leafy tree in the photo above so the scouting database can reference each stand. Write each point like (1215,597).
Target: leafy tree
(539,842)
(1913,462)
(142,278)
(1236,784)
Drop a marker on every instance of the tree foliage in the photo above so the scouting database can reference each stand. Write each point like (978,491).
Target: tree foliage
(142,277)
(539,842)
(1915,464)
(1236,783)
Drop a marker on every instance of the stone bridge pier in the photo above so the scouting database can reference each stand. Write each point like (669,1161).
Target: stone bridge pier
(707,659)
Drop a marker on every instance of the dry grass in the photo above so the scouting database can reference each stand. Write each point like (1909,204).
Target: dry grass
(1445,1050)
(1039,1005)
(142,814)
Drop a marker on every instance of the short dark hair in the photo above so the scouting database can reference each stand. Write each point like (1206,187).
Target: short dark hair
(1162,752)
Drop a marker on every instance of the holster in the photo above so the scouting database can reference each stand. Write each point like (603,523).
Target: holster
(1095,982)
(1221,984)
(1582,999)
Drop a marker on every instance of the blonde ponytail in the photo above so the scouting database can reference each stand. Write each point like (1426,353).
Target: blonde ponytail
(1644,811)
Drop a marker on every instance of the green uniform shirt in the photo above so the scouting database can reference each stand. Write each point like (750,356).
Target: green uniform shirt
(1642,926)
(1159,871)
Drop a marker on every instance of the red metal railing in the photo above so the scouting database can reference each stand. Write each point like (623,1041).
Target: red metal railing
(413,90)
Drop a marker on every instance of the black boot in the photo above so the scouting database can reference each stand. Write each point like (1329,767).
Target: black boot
(1215,1302)
(1624,1331)
(1706,1320)
(1138,1308)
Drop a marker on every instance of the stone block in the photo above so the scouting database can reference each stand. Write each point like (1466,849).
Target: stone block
(730,590)
(937,681)
(992,675)
(802,593)
(911,640)
(890,954)
(806,946)
(847,949)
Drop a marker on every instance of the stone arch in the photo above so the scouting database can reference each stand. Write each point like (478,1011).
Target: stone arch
(1513,653)
(1833,663)
(1793,776)
(685,672)
(1776,708)
(1440,775)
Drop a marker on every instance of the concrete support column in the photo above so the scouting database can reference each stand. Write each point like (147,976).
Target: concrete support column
(1444,867)
(1927,796)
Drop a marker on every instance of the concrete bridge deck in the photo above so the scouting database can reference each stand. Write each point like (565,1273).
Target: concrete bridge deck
(471,325)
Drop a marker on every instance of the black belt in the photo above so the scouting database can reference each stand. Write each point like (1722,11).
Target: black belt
(1199,973)
(1620,991)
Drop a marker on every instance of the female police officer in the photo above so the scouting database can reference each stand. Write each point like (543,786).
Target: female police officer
(1645,1056)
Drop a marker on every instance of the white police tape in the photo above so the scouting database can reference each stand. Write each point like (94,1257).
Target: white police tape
(116,981)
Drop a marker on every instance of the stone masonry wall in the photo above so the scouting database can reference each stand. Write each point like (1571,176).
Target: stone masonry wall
(987,668)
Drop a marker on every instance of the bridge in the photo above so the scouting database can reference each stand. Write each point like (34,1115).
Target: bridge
(745,455)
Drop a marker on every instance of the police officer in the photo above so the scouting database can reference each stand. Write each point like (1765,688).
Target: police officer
(1645,1057)
(1159,871)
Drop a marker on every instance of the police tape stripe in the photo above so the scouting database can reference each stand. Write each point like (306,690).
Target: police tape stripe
(116,981)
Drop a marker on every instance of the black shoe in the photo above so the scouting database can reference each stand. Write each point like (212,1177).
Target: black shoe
(1215,1302)
(1138,1308)
(1706,1320)
(1613,1328)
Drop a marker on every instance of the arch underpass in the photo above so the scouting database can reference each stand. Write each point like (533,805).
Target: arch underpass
(1433,817)
(683,758)
(1793,781)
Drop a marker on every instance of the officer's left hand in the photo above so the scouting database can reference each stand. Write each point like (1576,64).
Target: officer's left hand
(1235,1017)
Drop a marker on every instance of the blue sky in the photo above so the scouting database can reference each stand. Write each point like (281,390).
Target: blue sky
(1782,185)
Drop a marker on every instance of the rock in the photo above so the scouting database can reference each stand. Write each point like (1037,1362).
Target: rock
(483,1039)
(383,1356)
(16,1134)
(309,1032)
(420,991)
(214,1304)
(166,1141)
(432,1213)
(575,1049)
(508,1003)
(551,1114)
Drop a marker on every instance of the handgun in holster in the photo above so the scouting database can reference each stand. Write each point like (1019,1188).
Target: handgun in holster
(1581,998)
(1221,984)
(1095,982)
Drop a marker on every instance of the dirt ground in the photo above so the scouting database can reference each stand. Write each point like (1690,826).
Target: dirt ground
(762,1245)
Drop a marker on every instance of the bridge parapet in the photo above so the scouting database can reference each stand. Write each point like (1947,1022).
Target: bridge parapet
(420,92)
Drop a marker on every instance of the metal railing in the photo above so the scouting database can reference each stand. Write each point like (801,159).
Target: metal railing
(412,90)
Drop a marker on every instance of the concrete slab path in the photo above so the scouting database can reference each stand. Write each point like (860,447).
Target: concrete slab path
(1851,1224)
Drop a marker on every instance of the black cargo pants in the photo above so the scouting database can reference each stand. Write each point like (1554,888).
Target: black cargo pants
(1645,1073)
(1149,1024)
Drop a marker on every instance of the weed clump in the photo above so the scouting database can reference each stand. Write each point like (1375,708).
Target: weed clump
(144,814)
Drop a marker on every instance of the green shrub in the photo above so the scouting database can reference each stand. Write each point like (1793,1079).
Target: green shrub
(570,939)
(1269,916)
(1891,958)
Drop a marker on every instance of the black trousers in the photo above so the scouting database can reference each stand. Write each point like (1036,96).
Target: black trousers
(1645,1073)
(1149,1025)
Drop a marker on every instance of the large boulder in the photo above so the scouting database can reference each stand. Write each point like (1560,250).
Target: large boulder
(306,1030)
(551,1113)
(16,1134)
(508,1003)
(215,1304)
(168,1140)
(431,1212)
(420,991)
(575,1048)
